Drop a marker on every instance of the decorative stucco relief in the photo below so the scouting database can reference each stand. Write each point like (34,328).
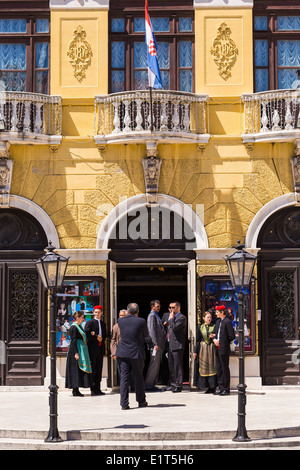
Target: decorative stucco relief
(224,51)
(79,53)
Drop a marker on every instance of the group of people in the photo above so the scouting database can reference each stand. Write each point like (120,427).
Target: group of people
(85,353)
(165,338)
(212,352)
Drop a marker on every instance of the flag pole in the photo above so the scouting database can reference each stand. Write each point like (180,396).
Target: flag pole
(151,110)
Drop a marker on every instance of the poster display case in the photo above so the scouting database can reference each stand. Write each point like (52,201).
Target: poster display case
(219,291)
(76,294)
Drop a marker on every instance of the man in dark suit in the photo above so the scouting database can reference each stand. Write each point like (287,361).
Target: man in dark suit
(176,332)
(131,354)
(95,330)
(223,335)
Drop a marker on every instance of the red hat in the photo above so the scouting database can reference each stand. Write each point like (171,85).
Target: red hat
(98,306)
(220,307)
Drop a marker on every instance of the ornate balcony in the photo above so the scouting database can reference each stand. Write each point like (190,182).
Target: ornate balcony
(30,118)
(176,117)
(272,116)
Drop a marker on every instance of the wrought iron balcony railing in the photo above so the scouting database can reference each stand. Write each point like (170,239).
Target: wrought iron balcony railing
(175,116)
(30,117)
(271,116)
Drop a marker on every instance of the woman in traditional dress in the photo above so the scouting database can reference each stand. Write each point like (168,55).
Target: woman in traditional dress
(205,353)
(78,367)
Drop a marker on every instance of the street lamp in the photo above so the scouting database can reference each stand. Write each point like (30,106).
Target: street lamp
(240,267)
(52,268)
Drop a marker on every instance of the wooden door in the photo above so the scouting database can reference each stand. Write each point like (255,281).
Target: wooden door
(280,322)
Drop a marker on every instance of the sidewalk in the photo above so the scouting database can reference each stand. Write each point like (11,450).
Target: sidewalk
(184,420)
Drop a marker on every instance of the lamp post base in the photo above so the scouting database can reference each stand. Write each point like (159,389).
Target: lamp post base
(53,438)
(241,437)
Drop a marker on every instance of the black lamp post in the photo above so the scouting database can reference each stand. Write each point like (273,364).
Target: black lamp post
(52,268)
(240,267)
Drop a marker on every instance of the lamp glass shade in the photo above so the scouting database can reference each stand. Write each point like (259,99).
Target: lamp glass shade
(240,267)
(52,268)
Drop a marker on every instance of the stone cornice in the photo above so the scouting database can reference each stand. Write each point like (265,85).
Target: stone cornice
(79,4)
(206,4)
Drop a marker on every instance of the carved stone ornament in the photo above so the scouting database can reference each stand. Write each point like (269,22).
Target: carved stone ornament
(5,180)
(79,53)
(224,51)
(296,175)
(151,167)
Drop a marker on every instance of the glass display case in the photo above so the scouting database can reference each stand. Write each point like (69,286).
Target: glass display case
(219,291)
(75,295)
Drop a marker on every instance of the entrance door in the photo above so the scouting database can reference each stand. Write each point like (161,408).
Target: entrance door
(279,272)
(22,326)
(280,322)
(141,284)
(22,300)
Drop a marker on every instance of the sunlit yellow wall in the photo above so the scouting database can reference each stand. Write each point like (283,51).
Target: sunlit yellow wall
(63,81)
(208,79)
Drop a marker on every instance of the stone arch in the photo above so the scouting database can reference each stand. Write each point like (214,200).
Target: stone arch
(287,200)
(134,203)
(39,214)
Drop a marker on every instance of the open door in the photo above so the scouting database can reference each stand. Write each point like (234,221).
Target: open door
(113,318)
(192,314)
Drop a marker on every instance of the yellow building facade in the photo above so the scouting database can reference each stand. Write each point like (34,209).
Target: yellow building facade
(97,177)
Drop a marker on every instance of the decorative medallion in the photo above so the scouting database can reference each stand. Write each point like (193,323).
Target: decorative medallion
(224,51)
(296,176)
(6,166)
(79,53)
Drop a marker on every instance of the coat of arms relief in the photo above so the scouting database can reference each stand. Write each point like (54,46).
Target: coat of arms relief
(79,53)
(224,51)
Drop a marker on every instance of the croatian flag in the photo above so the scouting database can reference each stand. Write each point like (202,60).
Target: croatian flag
(154,79)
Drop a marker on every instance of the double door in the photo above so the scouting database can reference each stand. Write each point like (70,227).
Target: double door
(280,321)
(22,324)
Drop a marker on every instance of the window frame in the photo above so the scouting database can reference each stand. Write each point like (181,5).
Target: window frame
(272,35)
(30,39)
(173,36)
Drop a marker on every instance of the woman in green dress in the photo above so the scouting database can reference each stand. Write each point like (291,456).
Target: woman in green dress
(78,367)
(205,353)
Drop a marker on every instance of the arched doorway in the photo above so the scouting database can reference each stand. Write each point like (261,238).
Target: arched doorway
(23,323)
(152,256)
(279,289)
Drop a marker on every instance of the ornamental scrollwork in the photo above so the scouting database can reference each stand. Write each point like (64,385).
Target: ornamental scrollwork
(79,53)
(224,51)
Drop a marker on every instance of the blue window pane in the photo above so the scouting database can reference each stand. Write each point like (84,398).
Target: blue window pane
(286,78)
(14,81)
(163,55)
(165,78)
(42,55)
(13,26)
(185,54)
(261,80)
(288,53)
(288,23)
(185,80)
(42,26)
(118,54)
(261,53)
(140,80)
(261,23)
(158,24)
(118,25)
(139,25)
(140,55)
(185,24)
(41,82)
(12,56)
(118,81)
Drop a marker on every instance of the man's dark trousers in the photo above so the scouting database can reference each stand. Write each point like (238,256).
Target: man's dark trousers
(126,366)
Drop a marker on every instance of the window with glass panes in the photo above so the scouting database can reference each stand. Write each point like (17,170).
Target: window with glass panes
(174,34)
(24,53)
(277,46)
